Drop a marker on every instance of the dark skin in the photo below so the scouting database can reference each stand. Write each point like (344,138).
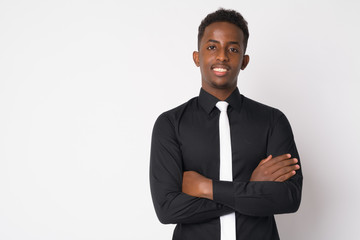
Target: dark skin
(221,56)
(221,47)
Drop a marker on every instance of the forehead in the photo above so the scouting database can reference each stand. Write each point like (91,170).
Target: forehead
(223,32)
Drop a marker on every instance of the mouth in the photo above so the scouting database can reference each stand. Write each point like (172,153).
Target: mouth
(220,70)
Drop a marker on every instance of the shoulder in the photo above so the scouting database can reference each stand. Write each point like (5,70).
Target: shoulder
(172,117)
(261,110)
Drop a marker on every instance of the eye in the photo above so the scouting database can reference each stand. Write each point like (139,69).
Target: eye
(234,50)
(211,47)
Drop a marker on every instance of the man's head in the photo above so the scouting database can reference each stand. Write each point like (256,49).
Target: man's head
(221,50)
(223,15)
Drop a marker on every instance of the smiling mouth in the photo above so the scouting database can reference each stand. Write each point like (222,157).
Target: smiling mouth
(219,71)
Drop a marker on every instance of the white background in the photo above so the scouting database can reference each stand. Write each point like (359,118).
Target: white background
(82,82)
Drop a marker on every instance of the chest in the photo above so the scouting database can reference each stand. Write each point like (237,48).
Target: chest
(200,144)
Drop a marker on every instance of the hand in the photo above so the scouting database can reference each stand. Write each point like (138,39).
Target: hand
(278,169)
(195,184)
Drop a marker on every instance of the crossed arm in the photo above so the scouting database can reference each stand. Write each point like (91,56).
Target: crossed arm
(278,169)
(188,197)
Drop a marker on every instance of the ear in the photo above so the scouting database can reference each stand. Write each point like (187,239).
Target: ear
(245,62)
(196,58)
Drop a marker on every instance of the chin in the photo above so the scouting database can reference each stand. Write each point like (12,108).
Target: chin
(222,85)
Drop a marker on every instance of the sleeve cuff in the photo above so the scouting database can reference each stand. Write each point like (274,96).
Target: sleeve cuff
(223,192)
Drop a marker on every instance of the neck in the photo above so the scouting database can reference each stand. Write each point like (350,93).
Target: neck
(219,93)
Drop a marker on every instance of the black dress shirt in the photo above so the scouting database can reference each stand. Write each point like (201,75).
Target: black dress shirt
(187,138)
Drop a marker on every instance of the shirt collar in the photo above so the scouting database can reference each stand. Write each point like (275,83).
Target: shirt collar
(208,101)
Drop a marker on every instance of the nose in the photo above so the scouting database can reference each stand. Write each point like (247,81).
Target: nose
(222,55)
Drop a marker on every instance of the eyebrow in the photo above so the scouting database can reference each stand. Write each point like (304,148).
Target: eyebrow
(231,42)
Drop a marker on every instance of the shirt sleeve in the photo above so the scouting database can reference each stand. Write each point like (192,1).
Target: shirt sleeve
(166,173)
(267,197)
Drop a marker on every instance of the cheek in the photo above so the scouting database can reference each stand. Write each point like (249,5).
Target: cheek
(239,64)
(204,64)
(206,57)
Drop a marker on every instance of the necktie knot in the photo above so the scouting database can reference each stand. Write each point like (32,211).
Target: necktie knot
(222,106)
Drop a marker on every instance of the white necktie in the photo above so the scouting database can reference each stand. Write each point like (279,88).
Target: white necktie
(227,222)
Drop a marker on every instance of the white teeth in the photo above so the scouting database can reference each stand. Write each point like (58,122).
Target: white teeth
(220,69)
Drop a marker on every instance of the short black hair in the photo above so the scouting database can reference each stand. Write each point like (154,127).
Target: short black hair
(224,15)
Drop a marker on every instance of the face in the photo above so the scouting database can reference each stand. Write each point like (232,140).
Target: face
(221,56)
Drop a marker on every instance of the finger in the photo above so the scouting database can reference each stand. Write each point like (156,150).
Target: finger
(284,171)
(282,164)
(265,160)
(282,157)
(278,159)
(285,177)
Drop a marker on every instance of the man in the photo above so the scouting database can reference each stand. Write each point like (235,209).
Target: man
(190,149)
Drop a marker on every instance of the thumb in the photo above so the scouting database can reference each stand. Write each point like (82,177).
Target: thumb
(265,160)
